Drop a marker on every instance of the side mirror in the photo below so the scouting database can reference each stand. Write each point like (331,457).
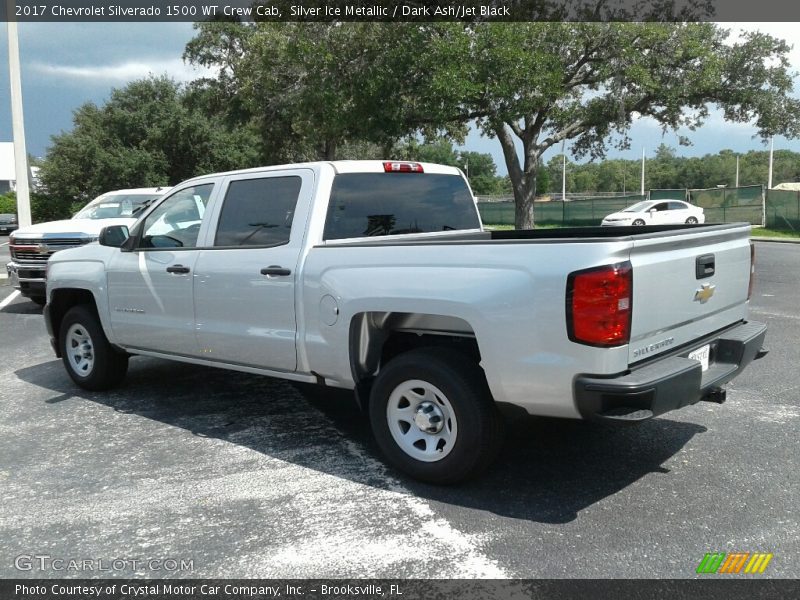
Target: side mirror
(113,236)
(652,210)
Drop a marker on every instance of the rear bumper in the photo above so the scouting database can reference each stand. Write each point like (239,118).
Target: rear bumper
(669,383)
(28,279)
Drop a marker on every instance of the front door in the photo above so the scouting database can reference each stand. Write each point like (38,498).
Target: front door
(150,289)
(244,284)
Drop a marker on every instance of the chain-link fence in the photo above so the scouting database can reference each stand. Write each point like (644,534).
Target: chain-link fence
(720,205)
(668,194)
(731,205)
(576,213)
(783,210)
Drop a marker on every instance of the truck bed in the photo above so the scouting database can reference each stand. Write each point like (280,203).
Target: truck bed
(554,235)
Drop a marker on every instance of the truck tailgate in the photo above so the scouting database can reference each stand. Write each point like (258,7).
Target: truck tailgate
(687,286)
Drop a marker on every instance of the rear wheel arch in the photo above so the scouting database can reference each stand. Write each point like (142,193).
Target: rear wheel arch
(377,337)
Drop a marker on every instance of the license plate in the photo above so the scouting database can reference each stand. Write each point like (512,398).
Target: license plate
(702,355)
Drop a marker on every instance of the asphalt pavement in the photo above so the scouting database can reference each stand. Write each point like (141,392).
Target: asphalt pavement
(239,476)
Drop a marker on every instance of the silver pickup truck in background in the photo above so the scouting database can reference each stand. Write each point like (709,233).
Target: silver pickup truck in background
(32,246)
(378,277)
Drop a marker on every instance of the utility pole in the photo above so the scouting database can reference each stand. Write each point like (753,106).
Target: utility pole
(17,122)
(563,170)
(642,192)
(737,170)
(771,149)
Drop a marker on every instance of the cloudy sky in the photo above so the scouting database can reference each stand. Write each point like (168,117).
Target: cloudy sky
(67,64)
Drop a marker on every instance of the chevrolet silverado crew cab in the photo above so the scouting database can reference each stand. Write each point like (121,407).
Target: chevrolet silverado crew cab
(32,246)
(378,277)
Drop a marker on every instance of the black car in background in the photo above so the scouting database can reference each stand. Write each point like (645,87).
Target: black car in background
(8,223)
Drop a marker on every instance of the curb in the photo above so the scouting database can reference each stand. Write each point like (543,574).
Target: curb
(777,240)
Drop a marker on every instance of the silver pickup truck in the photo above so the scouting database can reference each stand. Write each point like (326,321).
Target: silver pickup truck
(32,246)
(378,277)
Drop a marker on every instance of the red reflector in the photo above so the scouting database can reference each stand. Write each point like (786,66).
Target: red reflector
(402,167)
(599,305)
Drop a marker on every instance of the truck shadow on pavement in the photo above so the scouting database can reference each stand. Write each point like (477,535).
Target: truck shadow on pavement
(549,470)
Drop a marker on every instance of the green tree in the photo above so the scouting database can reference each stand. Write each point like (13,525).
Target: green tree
(8,203)
(538,84)
(145,135)
(529,85)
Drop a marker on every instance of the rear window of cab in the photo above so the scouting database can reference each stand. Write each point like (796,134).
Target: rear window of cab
(380,204)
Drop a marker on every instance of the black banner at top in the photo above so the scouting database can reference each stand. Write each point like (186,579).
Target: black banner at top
(398,10)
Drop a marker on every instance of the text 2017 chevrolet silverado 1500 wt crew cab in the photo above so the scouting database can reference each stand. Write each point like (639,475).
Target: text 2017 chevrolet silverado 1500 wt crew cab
(377,276)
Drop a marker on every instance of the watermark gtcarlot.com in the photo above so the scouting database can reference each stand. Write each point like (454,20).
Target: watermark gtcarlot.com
(58,564)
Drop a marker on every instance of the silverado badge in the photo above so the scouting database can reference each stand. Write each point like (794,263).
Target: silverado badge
(704,293)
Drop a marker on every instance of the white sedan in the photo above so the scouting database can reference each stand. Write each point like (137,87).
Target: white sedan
(657,212)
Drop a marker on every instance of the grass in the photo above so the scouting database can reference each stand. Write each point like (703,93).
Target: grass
(772,233)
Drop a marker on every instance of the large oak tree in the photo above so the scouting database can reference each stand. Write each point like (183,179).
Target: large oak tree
(313,87)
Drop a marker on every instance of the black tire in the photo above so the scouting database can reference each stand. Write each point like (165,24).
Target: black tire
(107,365)
(691,221)
(638,222)
(477,422)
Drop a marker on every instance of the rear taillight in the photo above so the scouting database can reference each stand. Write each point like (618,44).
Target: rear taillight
(752,270)
(599,305)
(402,167)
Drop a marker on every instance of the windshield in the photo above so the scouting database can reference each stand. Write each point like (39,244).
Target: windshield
(639,207)
(113,206)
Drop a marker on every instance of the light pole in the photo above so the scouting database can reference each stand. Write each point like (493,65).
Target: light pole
(642,191)
(17,122)
(563,170)
(737,170)
(771,149)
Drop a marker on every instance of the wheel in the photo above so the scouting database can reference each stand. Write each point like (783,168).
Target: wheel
(638,222)
(87,355)
(433,417)
(691,221)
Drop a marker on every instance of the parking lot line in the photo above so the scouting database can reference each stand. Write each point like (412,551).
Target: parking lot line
(11,297)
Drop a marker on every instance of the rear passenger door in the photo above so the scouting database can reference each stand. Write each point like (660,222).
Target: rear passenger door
(245,280)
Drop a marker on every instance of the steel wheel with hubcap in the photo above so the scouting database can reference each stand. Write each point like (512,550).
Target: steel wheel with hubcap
(80,350)
(422,420)
(433,416)
(691,221)
(90,359)
(638,222)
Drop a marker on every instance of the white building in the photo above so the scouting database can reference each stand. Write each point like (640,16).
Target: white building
(8,178)
(8,173)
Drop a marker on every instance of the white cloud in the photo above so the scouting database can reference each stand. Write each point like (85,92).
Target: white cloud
(122,72)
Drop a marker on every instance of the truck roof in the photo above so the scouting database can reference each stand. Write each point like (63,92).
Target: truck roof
(341,166)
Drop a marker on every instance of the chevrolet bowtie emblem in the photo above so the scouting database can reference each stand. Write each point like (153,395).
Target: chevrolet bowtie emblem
(704,293)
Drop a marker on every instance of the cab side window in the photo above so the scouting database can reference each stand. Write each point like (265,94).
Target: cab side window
(258,212)
(677,206)
(661,206)
(176,221)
